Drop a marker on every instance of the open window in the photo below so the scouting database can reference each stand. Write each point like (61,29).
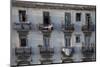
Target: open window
(88,18)
(22,15)
(23,42)
(77,38)
(46,19)
(78,16)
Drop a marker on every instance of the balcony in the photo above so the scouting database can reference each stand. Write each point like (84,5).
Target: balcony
(88,28)
(46,60)
(46,28)
(46,54)
(22,26)
(67,54)
(88,51)
(68,28)
(23,55)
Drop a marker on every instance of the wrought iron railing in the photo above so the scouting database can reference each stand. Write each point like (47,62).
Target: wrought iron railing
(46,52)
(23,55)
(88,28)
(88,49)
(22,26)
(68,28)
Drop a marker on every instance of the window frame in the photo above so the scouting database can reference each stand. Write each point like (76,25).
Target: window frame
(78,39)
(25,42)
(46,18)
(78,17)
(22,15)
(46,41)
(67,40)
(68,20)
(88,18)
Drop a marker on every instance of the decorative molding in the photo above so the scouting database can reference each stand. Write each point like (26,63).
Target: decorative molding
(46,5)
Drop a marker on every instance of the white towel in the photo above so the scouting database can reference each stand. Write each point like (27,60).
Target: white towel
(66,51)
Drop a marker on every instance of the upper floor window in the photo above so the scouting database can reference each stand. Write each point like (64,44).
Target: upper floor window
(78,16)
(22,15)
(88,18)
(77,38)
(46,19)
(67,18)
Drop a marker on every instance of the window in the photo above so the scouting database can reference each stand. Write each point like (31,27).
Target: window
(67,40)
(88,18)
(77,38)
(46,19)
(78,16)
(46,41)
(22,15)
(23,42)
(67,18)
(87,40)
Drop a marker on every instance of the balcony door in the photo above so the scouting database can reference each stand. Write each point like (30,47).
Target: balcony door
(22,15)
(67,40)
(23,42)
(87,40)
(46,19)
(88,18)
(46,41)
(67,18)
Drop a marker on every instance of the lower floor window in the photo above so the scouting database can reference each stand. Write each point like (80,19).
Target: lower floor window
(67,40)
(77,38)
(46,42)
(87,40)
(23,42)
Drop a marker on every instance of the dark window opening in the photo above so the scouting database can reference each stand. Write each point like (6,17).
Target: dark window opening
(23,42)
(22,15)
(88,18)
(78,16)
(77,38)
(46,18)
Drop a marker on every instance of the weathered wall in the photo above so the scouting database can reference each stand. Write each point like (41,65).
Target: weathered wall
(35,36)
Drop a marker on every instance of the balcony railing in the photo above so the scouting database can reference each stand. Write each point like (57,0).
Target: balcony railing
(23,55)
(22,26)
(46,28)
(46,52)
(46,60)
(88,28)
(68,28)
(88,49)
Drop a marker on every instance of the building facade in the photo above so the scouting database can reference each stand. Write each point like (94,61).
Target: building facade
(49,33)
